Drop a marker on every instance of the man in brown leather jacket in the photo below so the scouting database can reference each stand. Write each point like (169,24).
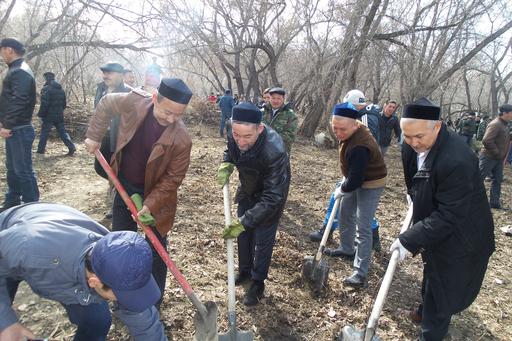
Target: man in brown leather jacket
(152,154)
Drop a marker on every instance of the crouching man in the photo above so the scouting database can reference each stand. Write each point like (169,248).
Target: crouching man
(65,256)
(260,156)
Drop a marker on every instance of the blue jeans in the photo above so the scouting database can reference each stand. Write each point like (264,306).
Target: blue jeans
(92,321)
(356,213)
(21,179)
(225,124)
(46,127)
(495,167)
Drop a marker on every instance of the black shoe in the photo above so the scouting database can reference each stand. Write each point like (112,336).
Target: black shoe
(356,280)
(376,240)
(71,152)
(7,205)
(339,252)
(317,235)
(242,277)
(108,215)
(254,294)
(40,152)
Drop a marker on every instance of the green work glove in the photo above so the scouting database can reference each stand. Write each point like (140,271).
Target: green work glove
(233,230)
(146,219)
(225,170)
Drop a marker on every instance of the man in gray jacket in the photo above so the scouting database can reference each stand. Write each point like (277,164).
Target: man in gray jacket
(494,150)
(65,256)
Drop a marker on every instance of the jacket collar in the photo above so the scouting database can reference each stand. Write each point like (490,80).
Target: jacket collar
(16,63)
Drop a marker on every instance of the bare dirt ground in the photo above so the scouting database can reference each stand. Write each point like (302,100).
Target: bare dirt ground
(288,311)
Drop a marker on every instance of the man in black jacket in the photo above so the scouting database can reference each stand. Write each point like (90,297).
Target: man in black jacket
(452,223)
(51,111)
(260,156)
(17,102)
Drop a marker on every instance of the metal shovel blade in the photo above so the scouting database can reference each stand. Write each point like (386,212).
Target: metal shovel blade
(320,277)
(206,324)
(349,333)
(307,268)
(316,274)
(236,335)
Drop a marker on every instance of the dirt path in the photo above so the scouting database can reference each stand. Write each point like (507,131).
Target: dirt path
(288,312)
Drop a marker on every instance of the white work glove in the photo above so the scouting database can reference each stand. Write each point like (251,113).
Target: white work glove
(402,250)
(338,193)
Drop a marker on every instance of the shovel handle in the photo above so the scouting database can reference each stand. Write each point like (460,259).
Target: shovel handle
(230,256)
(386,282)
(328,227)
(151,236)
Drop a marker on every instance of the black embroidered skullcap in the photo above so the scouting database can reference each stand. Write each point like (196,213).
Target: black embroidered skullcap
(423,109)
(345,110)
(246,112)
(175,89)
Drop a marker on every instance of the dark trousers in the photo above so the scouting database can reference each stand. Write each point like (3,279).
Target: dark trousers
(122,220)
(92,321)
(21,179)
(494,168)
(434,325)
(255,251)
(46,127)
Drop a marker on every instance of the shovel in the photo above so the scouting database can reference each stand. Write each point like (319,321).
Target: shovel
(349,333)
(232,334)
(316,269)
(205,319)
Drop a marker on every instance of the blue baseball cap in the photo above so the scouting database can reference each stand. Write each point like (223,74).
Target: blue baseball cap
(123,260)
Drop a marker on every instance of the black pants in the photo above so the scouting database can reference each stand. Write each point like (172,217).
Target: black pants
(122,220)
(434,326)
(255,249)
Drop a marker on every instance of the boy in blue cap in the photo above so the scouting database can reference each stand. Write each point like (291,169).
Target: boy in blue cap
(65,256)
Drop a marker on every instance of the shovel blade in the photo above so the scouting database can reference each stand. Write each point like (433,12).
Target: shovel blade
(320,277)
(206,326)
(307,268)
(349,333)
(236,335)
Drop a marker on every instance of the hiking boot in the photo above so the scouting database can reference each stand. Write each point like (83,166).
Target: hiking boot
(317,235)
(356,280)
(242,277)
(254,294)
(339,252)
(376,240)
(71,152)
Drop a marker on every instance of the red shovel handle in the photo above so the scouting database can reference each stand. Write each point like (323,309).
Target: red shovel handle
(147,230)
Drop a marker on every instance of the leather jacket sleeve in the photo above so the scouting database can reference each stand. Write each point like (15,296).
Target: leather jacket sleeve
(274,194)
(18,94)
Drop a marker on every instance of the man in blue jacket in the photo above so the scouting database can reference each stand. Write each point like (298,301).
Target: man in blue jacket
(259,154)
(65,256)
(226,104)
(17,102)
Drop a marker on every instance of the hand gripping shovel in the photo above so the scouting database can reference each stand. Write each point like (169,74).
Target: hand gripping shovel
(316,269)
(232,334)
(349,333)
(205,320)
